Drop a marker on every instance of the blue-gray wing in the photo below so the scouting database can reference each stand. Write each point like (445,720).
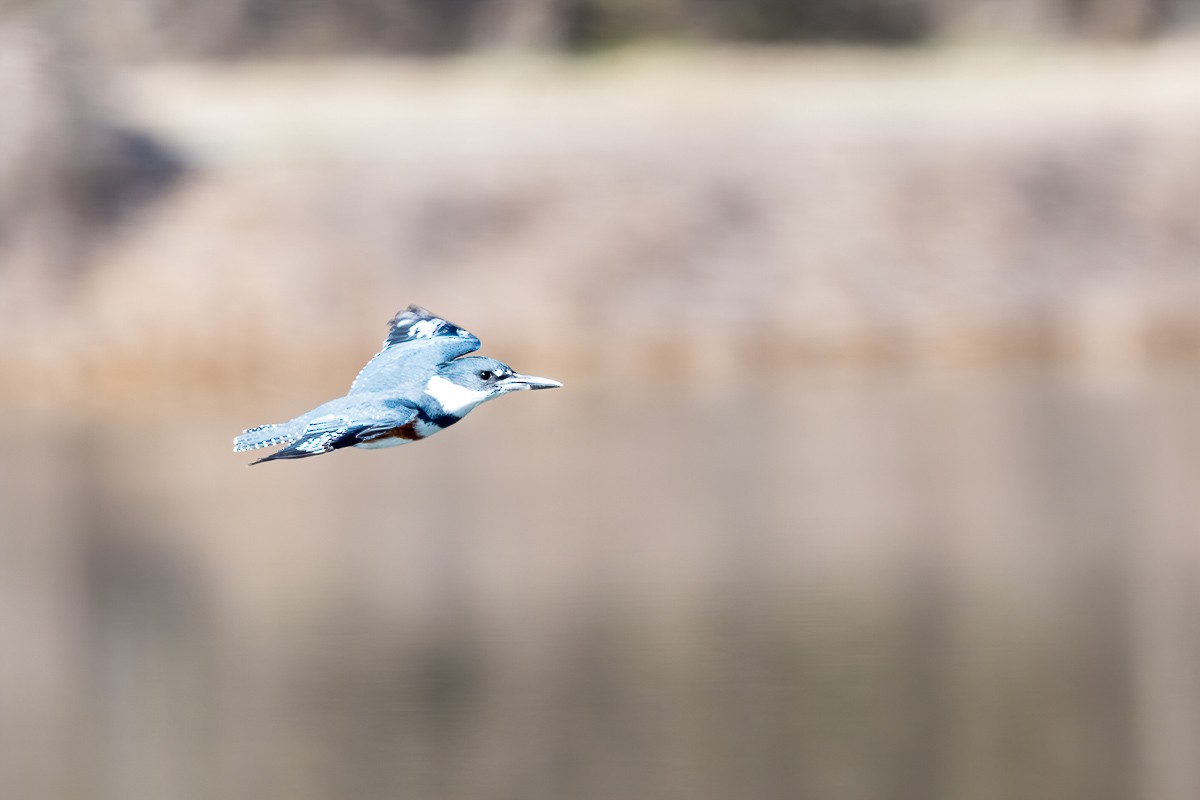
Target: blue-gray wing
(416,343)
(320,435)
(355,426)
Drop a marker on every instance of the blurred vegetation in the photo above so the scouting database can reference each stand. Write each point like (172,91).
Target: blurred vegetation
(155,28)
(68,168)
(856,205)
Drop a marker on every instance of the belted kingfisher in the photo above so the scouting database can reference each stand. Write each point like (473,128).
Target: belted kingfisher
(418,384)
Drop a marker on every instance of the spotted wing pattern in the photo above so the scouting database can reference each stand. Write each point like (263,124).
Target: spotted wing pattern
(417,339)
(334,431)
(319,437)
(416,323)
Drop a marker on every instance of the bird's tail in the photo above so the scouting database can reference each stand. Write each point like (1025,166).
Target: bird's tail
(267,436)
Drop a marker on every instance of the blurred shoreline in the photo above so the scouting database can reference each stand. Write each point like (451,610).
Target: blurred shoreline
(652,213)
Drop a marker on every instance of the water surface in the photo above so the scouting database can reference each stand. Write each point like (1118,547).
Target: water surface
(887,587)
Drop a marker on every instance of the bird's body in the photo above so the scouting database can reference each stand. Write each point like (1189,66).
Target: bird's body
(421,382)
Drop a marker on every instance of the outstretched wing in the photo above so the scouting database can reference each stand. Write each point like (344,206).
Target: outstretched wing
(416,339)
(333,431)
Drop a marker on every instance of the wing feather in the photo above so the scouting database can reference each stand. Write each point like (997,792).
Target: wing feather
(333,431)
(318,437)
(416,339)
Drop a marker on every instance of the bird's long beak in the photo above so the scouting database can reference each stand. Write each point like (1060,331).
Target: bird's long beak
(519,383)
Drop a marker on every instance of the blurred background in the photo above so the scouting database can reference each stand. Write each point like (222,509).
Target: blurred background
(875,471)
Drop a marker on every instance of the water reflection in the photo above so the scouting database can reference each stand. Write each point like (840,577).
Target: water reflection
(878,588)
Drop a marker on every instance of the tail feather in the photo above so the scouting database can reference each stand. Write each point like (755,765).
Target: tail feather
(287,452)
(267,436)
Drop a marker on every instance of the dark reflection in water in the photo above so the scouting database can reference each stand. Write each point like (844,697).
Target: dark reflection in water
(883,588)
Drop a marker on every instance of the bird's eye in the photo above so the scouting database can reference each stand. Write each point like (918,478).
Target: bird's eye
(486,375)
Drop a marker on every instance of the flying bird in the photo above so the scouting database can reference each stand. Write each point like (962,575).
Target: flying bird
(421,382)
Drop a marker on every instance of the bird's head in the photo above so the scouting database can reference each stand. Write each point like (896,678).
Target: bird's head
(464,383)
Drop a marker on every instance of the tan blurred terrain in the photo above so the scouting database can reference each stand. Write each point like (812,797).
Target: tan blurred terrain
(873,477)
(652,212)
